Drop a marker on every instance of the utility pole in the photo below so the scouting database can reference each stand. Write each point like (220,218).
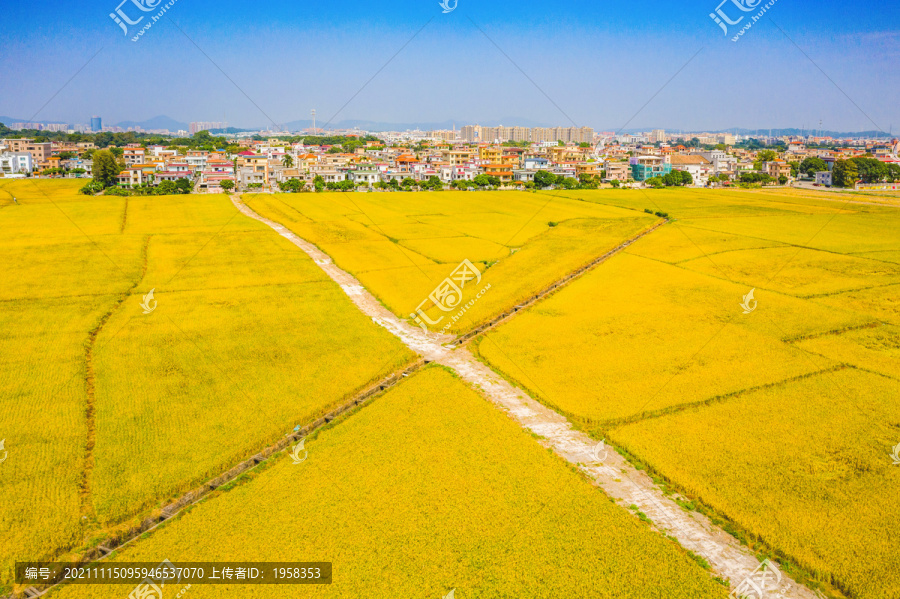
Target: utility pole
(314,120)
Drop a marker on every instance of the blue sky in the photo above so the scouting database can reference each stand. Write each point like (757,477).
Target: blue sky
(585,63)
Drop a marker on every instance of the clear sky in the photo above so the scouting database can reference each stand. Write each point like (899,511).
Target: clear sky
(585,63)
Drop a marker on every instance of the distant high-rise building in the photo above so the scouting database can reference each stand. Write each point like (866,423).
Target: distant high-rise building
(206,126)
(96,123)
(658,136)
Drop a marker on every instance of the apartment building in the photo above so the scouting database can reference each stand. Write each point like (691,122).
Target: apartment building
(255,164)
(646,167)
(777,168)
(617,171)
(40,152)
(12,163)
(133,156)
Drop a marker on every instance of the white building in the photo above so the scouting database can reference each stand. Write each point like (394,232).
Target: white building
(536,163)
(720,160)
(824,178)
(698,166)
(364,176)
(12,163)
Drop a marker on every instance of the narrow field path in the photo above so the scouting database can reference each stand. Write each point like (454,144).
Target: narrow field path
(618,478)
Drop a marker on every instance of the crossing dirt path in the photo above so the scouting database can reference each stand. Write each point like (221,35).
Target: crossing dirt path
(618,478)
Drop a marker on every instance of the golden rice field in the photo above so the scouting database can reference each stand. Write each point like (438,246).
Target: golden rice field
(402,245)
(804,465)
(780,420)
(248,338)
(425,490)
(776,418)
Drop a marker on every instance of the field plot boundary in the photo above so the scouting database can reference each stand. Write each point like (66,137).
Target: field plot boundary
(616,476)
(90,388)
(494,322)
(119,539)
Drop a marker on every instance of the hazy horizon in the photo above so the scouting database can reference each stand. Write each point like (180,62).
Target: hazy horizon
(575,65)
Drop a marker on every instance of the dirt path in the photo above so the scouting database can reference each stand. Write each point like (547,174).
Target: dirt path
(619,479)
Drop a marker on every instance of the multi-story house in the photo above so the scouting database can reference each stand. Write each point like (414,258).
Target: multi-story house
(617,171)
(777,169)
(12,163)
(698,166)
(645,167)
(133,156)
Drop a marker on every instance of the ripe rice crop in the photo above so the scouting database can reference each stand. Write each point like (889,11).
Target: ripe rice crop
(803,466)
(797,271)
(882,302)
(637,336)
(762,415)
(401,246)
(427,489)
(873,348)
(247,338)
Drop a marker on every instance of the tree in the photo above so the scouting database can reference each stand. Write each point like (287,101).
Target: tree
(782,179)
(291,185)
(544,179)
(845,173)
(184,185)
(481,180)
(812,165)
(105,168)
(166,188)
(871,170)
(408,182)
(91,188)
(655,182)
(287,161)
(764,156)
(434,183)
(227,185)
(762,178)
(319,183)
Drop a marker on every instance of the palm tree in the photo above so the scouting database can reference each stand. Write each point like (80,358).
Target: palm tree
(287,161)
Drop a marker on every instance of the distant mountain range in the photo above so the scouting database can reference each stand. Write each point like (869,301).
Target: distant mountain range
(422,126)
(780,132)
(165,122)
(157,122)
